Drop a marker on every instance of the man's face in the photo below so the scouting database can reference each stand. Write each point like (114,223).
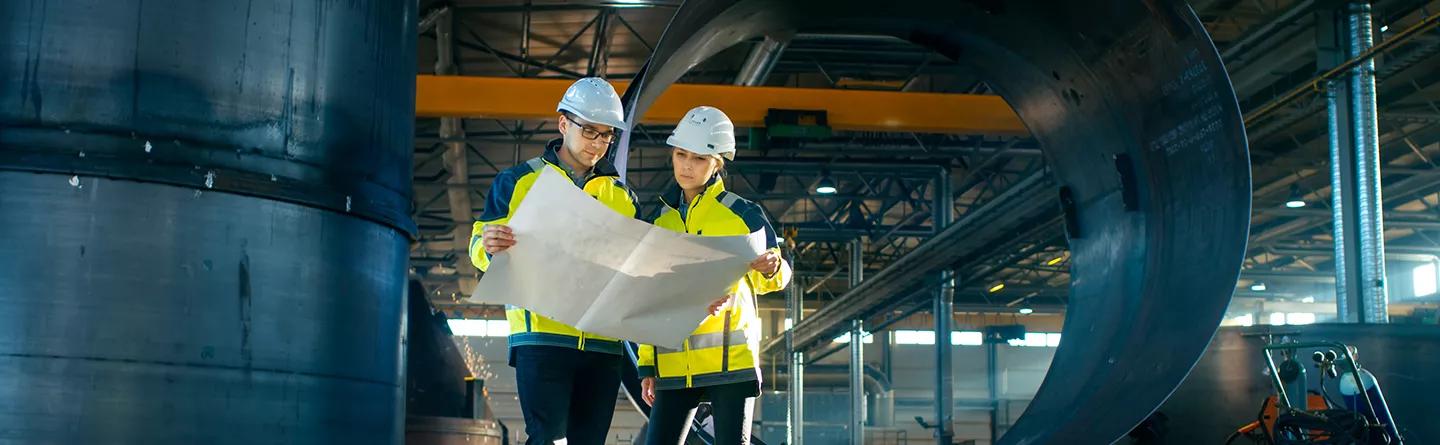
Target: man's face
(586,142)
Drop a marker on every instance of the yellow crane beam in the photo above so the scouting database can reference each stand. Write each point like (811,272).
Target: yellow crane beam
(856,110)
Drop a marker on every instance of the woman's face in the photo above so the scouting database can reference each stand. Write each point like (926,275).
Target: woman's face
(692,170)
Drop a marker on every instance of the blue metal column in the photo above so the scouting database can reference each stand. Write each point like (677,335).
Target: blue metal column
(992,385)
(857,350)
(1361,293)
(943,309)
(795,416)
(857,384)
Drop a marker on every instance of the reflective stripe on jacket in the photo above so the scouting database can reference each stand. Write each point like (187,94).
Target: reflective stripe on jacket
(725,347)
(506,193)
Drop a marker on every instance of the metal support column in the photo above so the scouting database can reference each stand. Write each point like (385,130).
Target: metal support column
(857,262)
(452,131)
(992,384)
(525,34)
(857,384)
(1361,293)
(943,310)
(760,62)
(600,50)
(857,350)
(794,420)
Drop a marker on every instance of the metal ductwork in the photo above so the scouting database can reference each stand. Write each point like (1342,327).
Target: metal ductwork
(204,220)
(1140,126)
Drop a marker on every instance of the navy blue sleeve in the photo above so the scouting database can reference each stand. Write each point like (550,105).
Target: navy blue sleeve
(755,219)
(497,202)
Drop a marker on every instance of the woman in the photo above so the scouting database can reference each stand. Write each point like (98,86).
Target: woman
(719,362)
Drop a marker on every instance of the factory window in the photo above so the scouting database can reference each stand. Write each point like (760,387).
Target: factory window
(1037,340)
(1291,318)
(480,328)
(907,337)
(961,338)
(1424,276)
(1242,320)
(1298,318)
(1034,340)
(1277,318)
(967,338)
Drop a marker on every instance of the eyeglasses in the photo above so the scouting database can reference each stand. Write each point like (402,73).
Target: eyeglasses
(591,133)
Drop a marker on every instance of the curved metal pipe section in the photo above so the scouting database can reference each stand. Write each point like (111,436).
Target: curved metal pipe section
(1140,126)
(204,220)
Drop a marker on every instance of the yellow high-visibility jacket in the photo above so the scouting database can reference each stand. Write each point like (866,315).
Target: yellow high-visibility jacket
(726,346)
(506,193)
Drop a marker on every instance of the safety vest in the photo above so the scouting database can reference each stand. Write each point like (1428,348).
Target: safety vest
(725,348)
(506,193)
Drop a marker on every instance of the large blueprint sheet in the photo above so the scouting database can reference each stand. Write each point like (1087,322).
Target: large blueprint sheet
(580,263)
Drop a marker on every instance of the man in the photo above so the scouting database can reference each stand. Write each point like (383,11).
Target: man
(567,378)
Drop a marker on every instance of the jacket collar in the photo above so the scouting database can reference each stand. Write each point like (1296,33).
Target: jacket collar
(552,156)
(674,197)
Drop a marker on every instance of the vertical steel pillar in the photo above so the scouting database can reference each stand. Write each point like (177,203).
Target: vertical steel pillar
(943,310)
(1361,292)
(795,420)
(857,384)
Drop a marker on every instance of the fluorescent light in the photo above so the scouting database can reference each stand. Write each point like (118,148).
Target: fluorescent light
(1026,310)
(826,186)
(1384,28)
(997,288)
(1258,287)
(1297,197)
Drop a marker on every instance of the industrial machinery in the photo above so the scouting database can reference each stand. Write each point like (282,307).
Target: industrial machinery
(1296,414)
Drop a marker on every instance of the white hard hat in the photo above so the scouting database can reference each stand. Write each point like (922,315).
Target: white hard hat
(705,130)
(592,99)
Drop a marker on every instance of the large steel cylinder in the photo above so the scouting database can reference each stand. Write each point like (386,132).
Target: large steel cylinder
(1142,131)
(203,220)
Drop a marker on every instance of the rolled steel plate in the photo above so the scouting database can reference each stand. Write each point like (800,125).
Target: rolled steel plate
(1140,126)
(203,221)
(141,313)
(307,102)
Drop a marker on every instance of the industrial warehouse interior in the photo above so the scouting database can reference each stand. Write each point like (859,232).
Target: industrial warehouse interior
(986,222)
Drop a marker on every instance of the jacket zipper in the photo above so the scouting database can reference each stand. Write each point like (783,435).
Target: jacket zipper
(690,208)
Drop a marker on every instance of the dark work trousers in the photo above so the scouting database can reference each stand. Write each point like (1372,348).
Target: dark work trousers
(566,393)
(730,405)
